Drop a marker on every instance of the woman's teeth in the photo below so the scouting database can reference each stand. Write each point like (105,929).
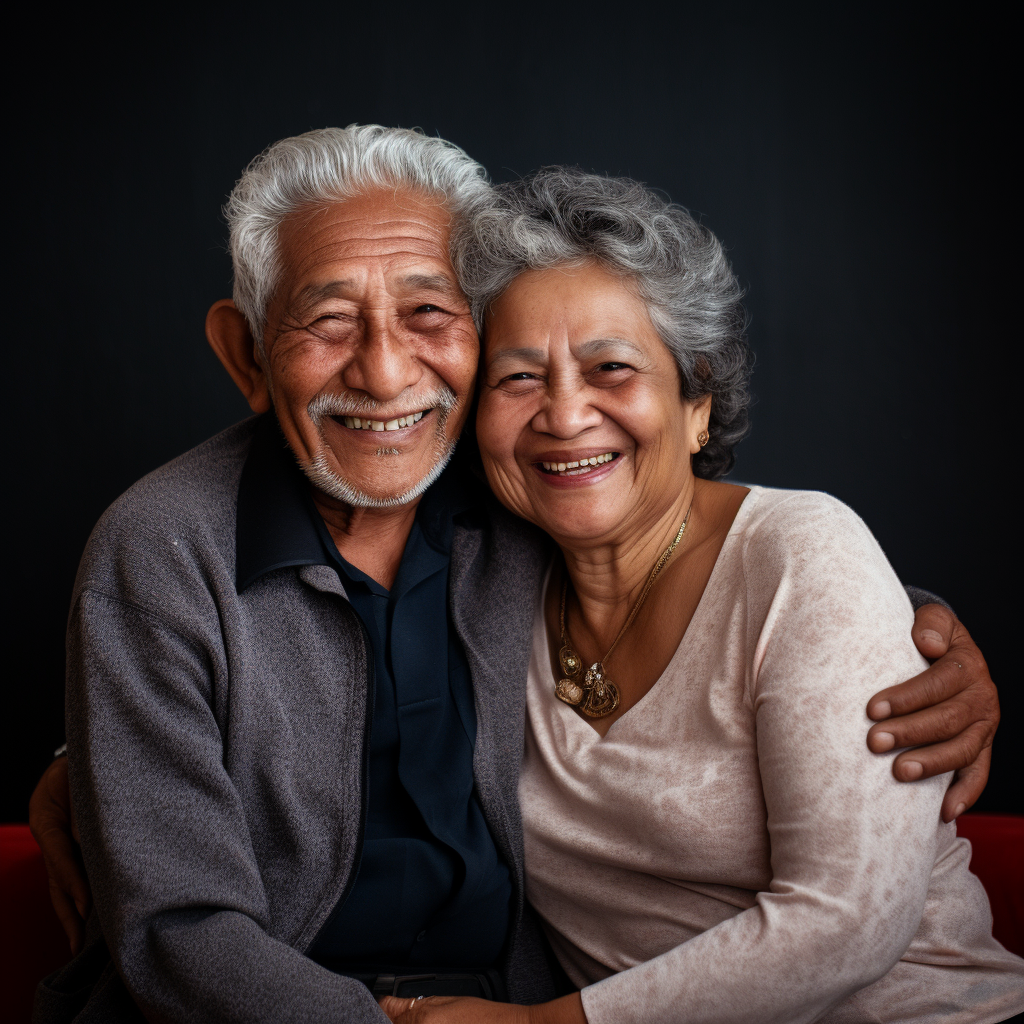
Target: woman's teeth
(403,421)
(579,466)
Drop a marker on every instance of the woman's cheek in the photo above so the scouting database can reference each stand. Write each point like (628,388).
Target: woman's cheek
(496,432)
(507,484)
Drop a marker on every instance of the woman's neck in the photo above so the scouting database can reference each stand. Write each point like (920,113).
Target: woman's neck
(607,579)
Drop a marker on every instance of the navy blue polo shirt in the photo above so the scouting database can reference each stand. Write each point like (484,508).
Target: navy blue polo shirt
(430,891)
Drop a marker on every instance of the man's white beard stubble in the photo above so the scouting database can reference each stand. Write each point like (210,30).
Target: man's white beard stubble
(443,400)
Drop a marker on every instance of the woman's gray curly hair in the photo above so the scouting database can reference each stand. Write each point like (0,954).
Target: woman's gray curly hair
(562,215)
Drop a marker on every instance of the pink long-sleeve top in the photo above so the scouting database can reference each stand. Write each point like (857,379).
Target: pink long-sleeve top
(731,851)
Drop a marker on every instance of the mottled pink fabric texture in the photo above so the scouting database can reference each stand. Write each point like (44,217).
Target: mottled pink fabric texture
(731,851)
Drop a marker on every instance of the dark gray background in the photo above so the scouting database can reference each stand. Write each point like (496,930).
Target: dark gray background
(850,163)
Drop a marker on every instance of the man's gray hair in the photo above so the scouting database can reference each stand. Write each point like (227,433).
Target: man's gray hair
(564,216)
(322,167)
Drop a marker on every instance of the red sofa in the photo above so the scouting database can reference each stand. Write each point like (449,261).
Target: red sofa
(32,943)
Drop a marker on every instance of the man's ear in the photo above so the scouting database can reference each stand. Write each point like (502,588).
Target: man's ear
(229,336)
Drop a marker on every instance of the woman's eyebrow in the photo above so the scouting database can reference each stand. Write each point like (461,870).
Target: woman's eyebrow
(537,355)
(592,348)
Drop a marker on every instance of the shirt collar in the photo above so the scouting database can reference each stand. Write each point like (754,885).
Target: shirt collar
(277,520)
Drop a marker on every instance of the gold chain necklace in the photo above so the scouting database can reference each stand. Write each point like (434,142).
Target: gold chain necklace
(596,695)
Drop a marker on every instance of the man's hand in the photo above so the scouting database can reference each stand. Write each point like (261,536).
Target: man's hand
(948,713)
(52,823)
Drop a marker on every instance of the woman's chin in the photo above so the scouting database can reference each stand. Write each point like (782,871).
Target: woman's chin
(580,521)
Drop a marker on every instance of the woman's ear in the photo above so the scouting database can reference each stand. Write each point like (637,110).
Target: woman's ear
(701,416)
(230,338)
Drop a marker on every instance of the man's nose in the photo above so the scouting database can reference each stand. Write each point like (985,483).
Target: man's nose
(567,411)
(384,363)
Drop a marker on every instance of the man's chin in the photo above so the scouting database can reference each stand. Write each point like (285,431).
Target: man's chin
(325,479)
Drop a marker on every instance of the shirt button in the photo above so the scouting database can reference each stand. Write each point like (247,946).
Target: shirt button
(421,936)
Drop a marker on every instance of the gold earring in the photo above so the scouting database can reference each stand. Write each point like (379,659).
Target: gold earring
(703,437)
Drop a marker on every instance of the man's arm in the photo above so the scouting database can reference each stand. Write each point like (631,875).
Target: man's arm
(948,714)
(53,825)
(185,906)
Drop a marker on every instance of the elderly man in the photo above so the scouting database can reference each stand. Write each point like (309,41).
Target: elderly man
(297,653)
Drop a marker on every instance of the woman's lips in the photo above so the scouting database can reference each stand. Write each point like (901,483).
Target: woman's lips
(563,468)
(576,466)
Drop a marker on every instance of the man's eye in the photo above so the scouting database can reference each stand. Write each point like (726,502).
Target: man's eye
(330,324)
(428,308)
(613,366)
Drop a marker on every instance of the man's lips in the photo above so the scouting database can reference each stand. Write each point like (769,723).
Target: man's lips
(393,423)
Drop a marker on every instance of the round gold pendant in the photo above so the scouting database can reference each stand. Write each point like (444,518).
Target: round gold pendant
(569,691)
(570,661)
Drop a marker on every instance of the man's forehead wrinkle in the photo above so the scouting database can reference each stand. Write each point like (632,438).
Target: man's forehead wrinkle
(407,199)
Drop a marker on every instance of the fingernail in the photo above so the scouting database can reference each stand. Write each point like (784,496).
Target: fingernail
(960,808)
(883,709)
(884,741)
(911,770)
(931,634)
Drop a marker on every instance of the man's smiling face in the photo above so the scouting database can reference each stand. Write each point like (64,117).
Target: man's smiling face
(370,351)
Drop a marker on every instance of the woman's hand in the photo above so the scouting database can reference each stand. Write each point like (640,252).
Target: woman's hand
(452,1010)
(52,822)
(948,714)
(464,1010)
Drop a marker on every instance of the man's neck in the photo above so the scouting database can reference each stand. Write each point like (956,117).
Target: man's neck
(371,539)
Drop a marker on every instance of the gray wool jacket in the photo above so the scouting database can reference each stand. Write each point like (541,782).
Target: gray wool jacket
(215,744)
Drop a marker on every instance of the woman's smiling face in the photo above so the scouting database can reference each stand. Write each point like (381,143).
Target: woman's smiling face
(581,425)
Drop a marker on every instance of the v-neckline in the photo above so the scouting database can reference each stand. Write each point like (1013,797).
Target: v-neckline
(737,527)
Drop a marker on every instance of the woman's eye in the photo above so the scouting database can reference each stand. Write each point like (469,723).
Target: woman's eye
(613,366)
(516,381)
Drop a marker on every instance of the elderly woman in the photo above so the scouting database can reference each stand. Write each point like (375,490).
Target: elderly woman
(706,837)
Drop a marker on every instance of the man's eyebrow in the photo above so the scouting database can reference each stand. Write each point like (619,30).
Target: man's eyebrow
(431,282)
(312,293)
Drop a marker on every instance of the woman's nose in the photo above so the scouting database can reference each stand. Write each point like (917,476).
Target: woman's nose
(384,364)
(567,412)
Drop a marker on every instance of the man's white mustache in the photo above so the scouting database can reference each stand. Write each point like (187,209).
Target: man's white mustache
(442,398)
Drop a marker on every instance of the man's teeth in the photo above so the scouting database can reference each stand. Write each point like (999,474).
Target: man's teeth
(403,421)
(579,466)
